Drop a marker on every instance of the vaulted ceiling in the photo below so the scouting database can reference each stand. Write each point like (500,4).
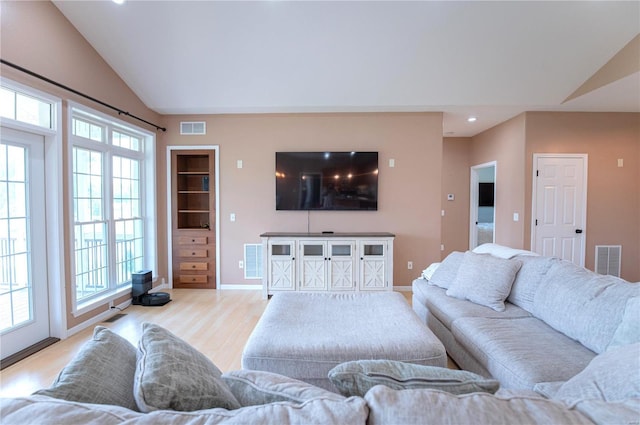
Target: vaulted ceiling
(492,60)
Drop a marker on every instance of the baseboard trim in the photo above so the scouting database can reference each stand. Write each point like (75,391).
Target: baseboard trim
(402,288)
(99,318)
(23,354)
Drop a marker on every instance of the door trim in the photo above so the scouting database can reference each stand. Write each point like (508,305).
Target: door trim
(534,190)
(55,218)
(170,149)
(474,179)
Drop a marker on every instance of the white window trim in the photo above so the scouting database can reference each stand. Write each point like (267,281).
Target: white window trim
(148,203)
(54,154)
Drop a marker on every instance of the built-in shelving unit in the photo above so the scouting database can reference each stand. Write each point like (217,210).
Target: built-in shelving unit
(193,238)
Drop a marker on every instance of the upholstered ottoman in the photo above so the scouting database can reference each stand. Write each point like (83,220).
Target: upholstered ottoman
(304,335)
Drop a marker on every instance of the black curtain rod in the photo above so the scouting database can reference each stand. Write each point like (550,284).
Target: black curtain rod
(93,99)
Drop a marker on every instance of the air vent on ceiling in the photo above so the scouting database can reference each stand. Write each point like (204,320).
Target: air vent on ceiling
(193,127)
(252,261)
(608,259)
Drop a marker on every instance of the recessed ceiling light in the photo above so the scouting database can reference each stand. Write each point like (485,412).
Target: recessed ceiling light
(118,1)
(472,119)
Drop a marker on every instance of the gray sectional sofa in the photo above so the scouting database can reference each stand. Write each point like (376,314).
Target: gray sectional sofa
(166,381)
(522,318)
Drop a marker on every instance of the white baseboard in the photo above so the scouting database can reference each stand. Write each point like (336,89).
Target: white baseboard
(99,318)
(160,287)
(402,288)
(245,287)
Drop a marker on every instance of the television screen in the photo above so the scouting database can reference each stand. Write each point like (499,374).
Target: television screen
(327,181)
(485,194)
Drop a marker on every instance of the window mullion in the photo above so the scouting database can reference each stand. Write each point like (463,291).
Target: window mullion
(108,210)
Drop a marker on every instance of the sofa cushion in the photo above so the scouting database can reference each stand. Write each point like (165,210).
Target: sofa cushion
(517,351)
(447,309)
(253,387)
(422,406)
(610,412)
(628,331)
(44,410)
(583,305)
(529,277)
(484,279)
(611,376)
(102,372)
(171,374)
(446,272)
(355,378)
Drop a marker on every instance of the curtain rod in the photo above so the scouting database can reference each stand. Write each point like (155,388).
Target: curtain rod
(93,99)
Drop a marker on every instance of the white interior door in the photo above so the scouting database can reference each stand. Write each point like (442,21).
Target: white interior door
(559,206)
(24,301)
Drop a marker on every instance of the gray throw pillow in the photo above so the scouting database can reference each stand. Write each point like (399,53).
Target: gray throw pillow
(628,331)
(355,378)
(254,387)
(484,279)
(173,375)
(101,373)
(611,376)
(446,272)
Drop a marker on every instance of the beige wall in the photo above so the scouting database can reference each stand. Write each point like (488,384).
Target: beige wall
(613,193)
(505,144)
(455,180)
(36,36)
(409,193)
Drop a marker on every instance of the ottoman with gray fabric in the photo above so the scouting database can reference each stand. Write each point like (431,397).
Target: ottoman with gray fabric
(304,335)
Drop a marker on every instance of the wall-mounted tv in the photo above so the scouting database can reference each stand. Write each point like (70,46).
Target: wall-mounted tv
(327,181)
(485,194)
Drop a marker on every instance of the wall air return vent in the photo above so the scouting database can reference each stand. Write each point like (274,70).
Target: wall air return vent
(608,259)
(253,261)
(193,127)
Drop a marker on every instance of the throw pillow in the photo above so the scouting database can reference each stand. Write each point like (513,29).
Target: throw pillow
(427,273)
(171,374)
(628,331)
(101,373)
(446,272)
(610,376)
(355,378)
(254,387)
(484,279)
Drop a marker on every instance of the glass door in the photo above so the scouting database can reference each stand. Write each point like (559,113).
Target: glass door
(24,312)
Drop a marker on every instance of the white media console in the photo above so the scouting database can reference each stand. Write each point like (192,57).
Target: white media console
(329,262)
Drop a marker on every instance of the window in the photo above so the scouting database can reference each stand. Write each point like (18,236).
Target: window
(112,166)
(25,108)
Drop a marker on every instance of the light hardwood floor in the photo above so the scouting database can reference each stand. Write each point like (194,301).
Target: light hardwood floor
(217,323)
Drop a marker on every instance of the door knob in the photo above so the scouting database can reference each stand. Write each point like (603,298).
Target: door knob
(578,230)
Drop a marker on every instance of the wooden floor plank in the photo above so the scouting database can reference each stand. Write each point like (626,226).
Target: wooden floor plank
(217,323)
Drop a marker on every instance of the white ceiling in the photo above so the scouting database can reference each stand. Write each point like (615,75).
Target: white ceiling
(493,60)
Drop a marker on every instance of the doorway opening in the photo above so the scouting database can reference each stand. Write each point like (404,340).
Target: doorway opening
(482,204)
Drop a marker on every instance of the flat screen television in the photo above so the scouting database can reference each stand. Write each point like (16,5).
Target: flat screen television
(327,181)
(485,194)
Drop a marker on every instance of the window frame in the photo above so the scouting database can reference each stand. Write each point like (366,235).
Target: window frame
(146,158)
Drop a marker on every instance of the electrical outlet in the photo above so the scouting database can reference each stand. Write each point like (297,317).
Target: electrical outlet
(410,265)
(241,264)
